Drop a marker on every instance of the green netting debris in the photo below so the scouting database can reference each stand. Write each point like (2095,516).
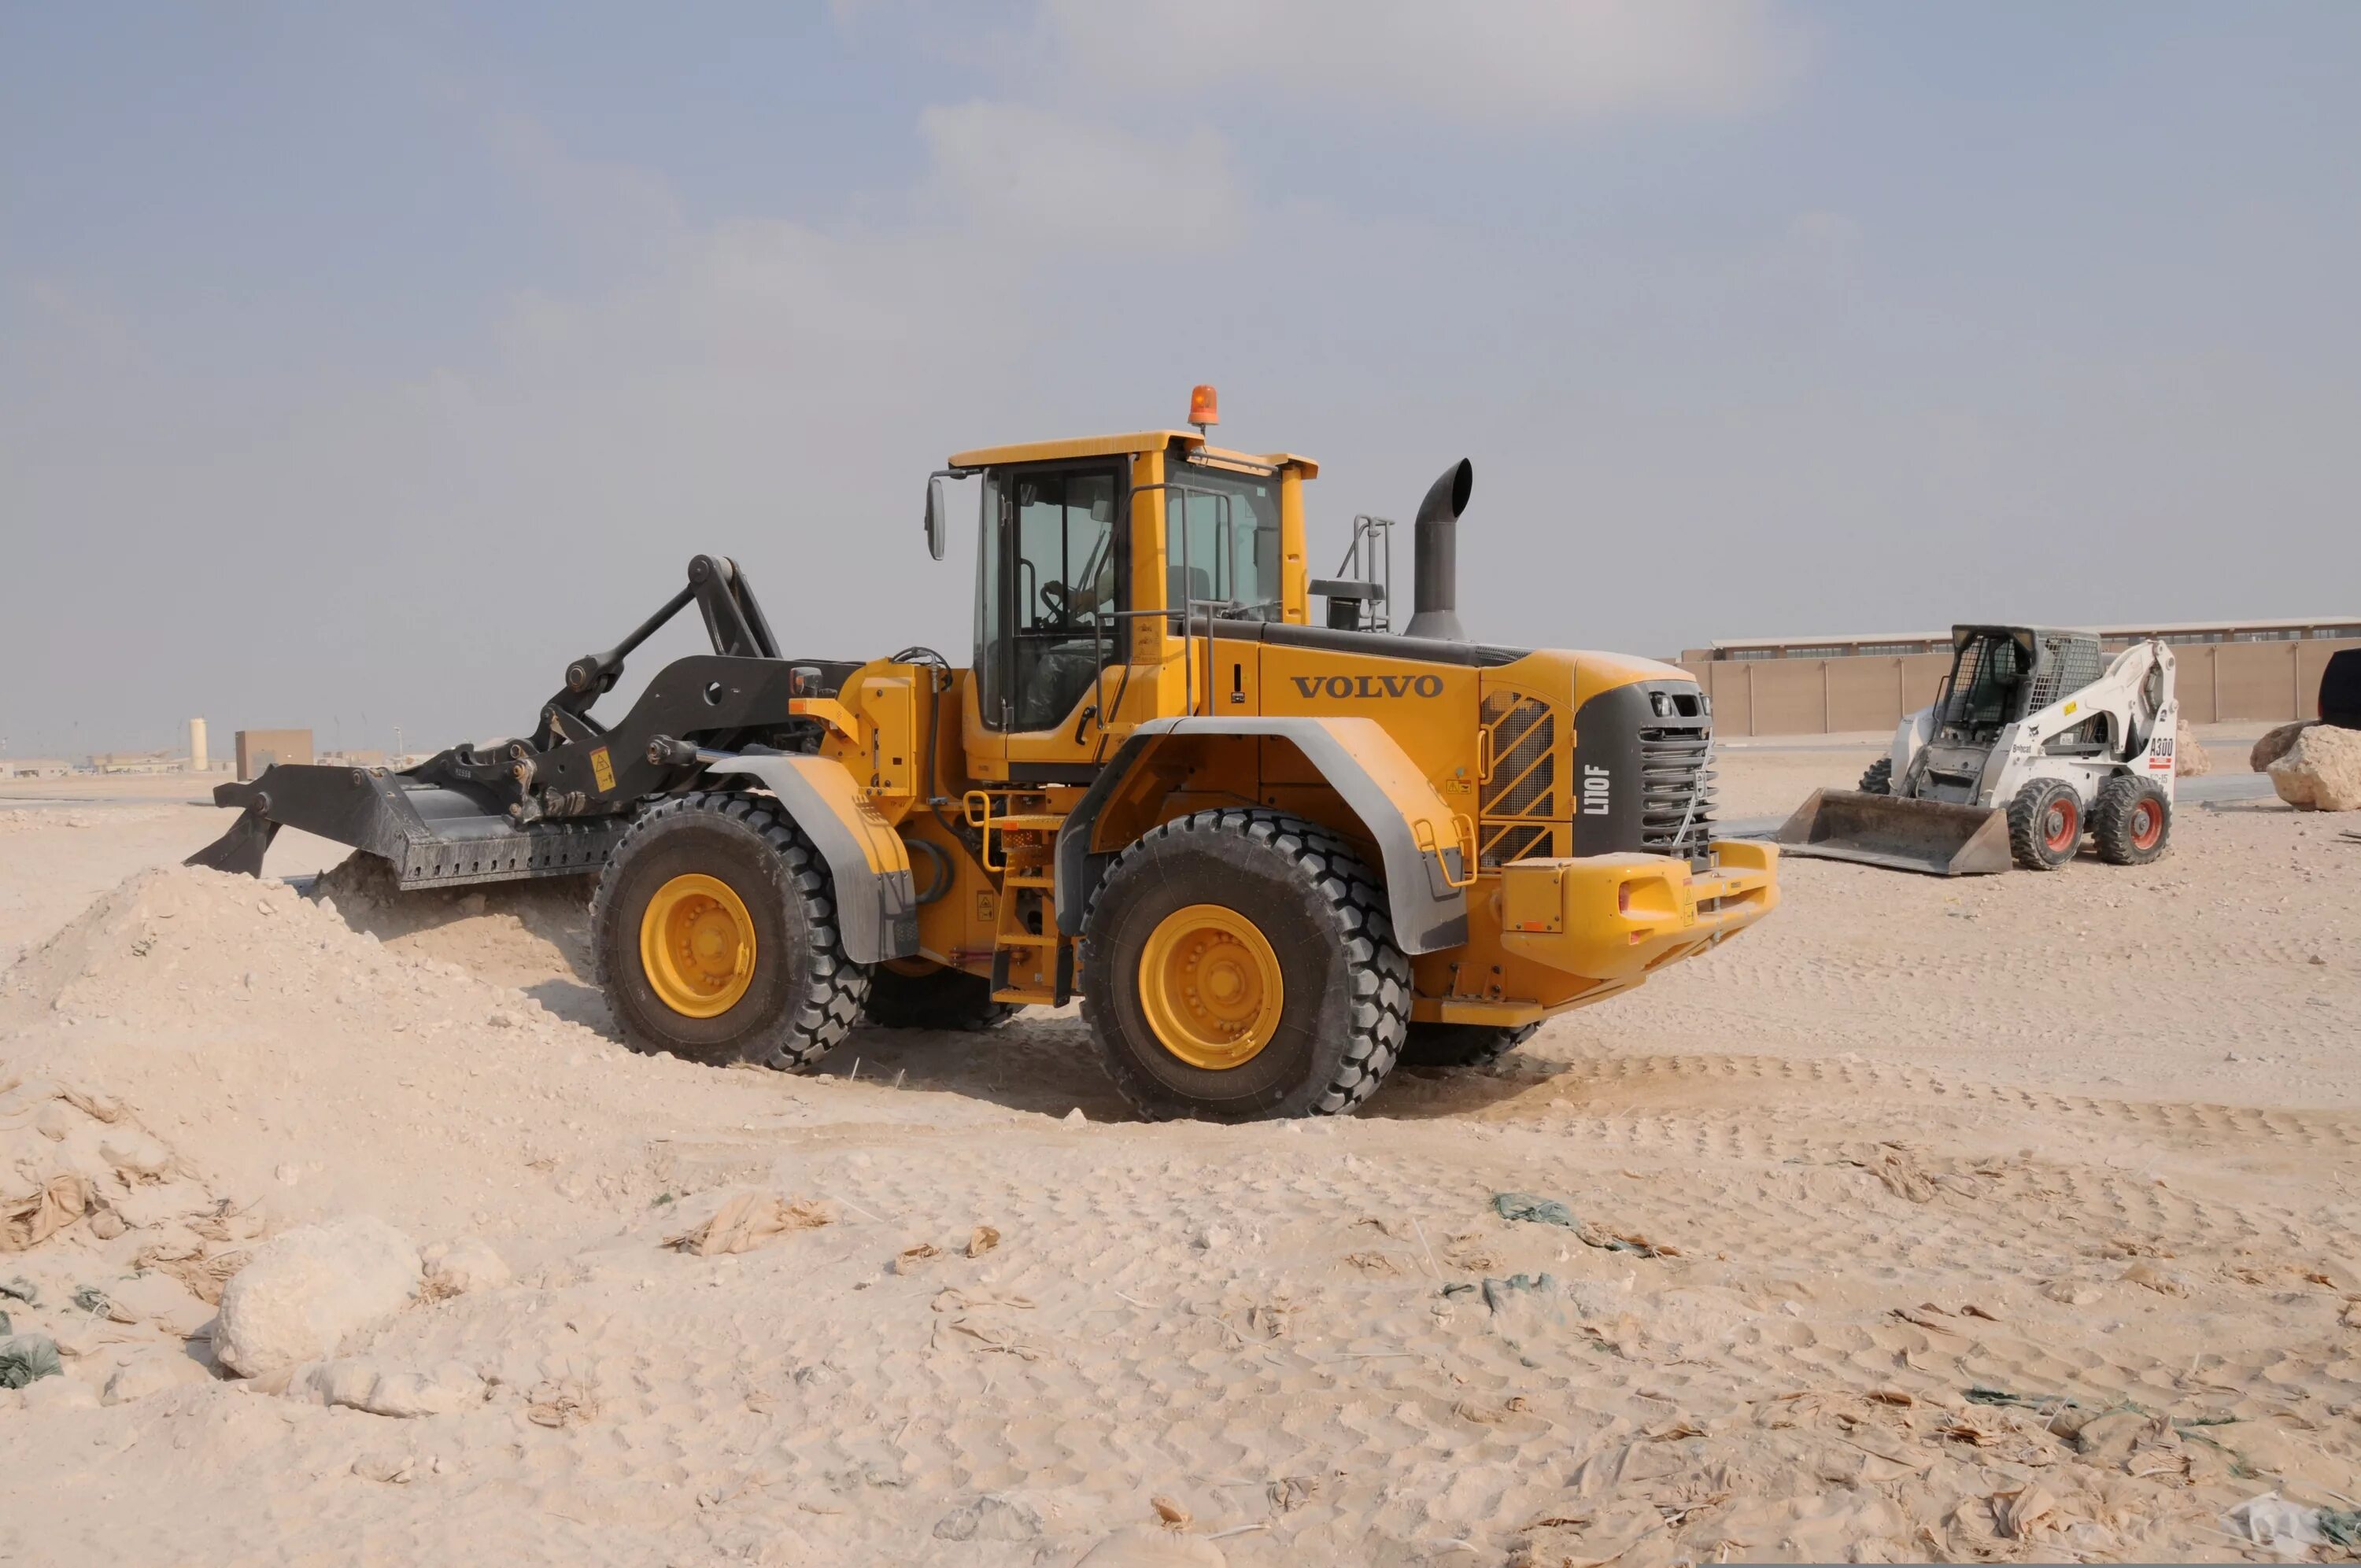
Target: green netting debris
(27,1358)
(1550,1211)
(1538,1210)
(1497,1293)
(21,1289)
(91,1299)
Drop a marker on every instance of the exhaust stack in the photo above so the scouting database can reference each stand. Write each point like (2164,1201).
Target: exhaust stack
(1436,544)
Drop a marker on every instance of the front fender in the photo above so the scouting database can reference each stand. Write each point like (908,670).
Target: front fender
(876,903)
(1417,838)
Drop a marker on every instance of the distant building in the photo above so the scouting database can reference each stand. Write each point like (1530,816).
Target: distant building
(1893,644)
(355,758)
(2227,671)
(258,748)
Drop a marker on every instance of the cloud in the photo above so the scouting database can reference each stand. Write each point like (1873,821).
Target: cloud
(1014,170)
(1497,62)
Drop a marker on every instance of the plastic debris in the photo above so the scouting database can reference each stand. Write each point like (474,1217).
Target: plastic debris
(2291,1529)
(25,1359)
(747,1222)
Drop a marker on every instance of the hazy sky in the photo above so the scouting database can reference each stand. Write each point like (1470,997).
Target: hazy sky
(359,366)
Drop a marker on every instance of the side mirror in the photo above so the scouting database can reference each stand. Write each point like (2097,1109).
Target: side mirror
(936,514)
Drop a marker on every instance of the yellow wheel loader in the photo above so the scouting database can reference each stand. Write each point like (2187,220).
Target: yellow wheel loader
(1272,854)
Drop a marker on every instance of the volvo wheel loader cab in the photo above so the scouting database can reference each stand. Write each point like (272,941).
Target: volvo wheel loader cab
(1272,854)
(2035,741)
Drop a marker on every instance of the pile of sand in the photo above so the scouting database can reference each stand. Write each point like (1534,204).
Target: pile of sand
(297,1065)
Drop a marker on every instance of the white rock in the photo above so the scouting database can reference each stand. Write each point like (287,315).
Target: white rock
(1075,1116)
(2322,772)
(393,1391)
(134,1155)
(306,1290)
(150,1372)
(55,1120)
(464,1263)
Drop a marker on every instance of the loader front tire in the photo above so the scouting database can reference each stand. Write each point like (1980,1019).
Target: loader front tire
(1461,1045)
(938,998)
(2131,821)
(1879,777)
(2045,825)
(715,938)
(1239,965)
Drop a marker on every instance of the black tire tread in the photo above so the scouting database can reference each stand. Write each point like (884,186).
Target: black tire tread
(840,987)
(2024,837)
(2111,821)
(1380,976)
(1878,778)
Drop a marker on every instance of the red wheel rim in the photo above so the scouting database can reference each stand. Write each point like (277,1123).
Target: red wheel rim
(2148,825)
(2062,826)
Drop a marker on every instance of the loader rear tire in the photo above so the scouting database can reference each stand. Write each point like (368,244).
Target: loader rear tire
(2045,825)
(1239,965)
(1461,1045)
(1879,778)
(723,874)
(939,999)
(2132,821)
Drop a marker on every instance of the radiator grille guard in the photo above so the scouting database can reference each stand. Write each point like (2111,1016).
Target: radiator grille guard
(1676,791)
(1643,772)
(1521,806)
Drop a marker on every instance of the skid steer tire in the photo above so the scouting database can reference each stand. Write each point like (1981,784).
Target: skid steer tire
(1461,1045)
(1263,945)
(794,995)
(1879,777)
(2131,821)
(939,999)
(2045,825)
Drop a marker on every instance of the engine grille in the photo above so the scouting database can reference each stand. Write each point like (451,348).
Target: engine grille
(1519,808)
(1677,792)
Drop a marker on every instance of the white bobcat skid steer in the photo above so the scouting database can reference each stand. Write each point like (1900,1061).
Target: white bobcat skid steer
(2032,741)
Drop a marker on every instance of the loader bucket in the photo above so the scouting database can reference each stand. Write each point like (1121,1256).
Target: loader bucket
(1899,833)
(431,836)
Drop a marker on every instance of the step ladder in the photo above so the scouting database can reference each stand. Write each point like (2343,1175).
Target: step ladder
(1032,963)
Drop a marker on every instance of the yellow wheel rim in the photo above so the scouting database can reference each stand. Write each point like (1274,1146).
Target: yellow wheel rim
(1210,985)
(696,944)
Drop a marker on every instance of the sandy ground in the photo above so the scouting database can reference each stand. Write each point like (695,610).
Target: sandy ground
(2012,1218)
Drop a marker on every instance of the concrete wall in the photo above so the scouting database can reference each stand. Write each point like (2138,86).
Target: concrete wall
(2217,683)
(257,748)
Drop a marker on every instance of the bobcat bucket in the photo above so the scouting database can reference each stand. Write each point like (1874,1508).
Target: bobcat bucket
(1935,837)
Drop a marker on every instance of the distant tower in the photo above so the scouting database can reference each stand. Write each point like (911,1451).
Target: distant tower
(196,745)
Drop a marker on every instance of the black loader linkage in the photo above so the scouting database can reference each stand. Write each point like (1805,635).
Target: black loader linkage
(557,803)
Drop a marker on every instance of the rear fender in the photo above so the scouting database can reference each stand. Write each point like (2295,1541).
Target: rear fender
(876,906)
(1416,833)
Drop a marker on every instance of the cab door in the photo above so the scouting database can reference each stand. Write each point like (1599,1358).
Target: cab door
(1053,573)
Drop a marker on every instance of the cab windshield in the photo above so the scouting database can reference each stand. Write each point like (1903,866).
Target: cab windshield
(1223,533)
